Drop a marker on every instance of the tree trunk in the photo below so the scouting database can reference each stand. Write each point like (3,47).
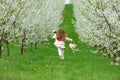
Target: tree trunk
(119,53)
(7,43)
(24,45)
(114,57)
(0,51)
(21,51)
(31,46)
(7,48)
(24,42)
(35,45)
(1,40)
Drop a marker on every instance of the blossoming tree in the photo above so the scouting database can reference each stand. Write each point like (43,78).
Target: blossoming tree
(98,24)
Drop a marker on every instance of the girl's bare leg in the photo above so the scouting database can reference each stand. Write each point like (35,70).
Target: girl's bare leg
(61,53)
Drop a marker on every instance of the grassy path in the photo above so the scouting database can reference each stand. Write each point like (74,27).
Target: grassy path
(89,66)
(43,63)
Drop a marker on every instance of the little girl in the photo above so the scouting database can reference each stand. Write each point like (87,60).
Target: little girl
(60,37)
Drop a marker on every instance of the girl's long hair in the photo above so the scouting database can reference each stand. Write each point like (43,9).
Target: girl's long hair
(60,35)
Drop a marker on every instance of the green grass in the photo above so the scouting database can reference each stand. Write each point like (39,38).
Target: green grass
(43,63)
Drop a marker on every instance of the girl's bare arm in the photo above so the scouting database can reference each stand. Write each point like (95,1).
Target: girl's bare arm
(69,39)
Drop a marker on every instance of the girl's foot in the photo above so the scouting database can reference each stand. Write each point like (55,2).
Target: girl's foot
(61,58)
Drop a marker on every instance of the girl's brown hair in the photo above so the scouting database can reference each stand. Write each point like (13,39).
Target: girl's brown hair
(60,35)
